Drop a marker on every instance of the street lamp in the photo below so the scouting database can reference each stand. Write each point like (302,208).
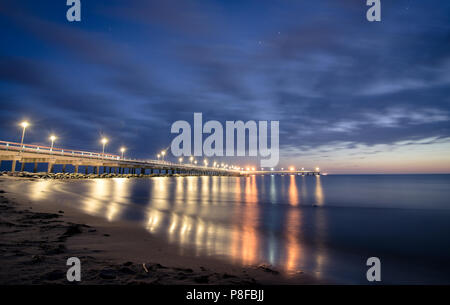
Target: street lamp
(195,161)
(191,159)
(24,124)
(122,150)
(206,162)
(163,153)
(180,160)
(104,141)
(159,156)
(317,169)
(52,138)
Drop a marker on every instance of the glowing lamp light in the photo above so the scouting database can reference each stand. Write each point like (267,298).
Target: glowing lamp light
(52,139)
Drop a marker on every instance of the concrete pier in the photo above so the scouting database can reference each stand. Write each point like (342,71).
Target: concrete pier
(10,151)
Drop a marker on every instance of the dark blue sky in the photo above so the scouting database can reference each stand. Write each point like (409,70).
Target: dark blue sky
(350,95)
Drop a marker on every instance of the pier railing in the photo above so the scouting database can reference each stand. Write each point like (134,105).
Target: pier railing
(40,149)
(136,163)
(56,151)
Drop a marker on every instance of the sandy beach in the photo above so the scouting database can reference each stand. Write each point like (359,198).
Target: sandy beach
(36,240)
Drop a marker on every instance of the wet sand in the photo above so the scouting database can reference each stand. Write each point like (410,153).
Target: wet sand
(36,240)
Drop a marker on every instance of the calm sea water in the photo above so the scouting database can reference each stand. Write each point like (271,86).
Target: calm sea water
(327,226)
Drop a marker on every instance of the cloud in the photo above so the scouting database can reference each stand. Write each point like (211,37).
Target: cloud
(130,70)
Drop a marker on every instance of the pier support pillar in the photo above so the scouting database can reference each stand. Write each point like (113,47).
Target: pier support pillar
(143,171)
(35,167)
(13,166)
(86,169)
(64,168)
(76,169)
(97,170)
(22,166)
(50,167)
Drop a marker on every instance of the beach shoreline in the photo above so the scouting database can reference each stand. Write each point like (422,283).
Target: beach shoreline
(37,239)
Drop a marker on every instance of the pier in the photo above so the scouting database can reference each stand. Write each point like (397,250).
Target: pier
(85,161)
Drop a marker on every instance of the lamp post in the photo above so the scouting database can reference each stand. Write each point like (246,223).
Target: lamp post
(163,153)
(122,150)
(24,124)
(104,141)
(191,159)
(159,156)
(180,160)
(52,138)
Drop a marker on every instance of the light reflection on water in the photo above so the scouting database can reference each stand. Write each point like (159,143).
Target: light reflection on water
(222,219)
(286,221)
